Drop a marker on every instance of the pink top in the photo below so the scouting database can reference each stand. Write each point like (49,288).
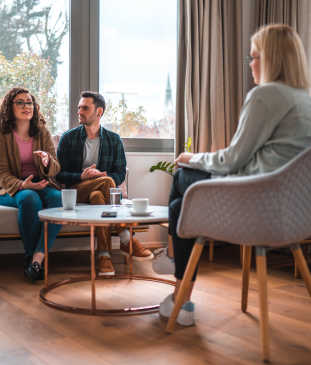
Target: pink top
(28,166)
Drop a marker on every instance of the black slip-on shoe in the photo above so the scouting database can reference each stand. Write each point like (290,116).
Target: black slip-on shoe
(41,273)
(32,271)
(27,261)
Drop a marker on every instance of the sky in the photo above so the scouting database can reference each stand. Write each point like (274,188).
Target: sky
(62,81)
(138,50)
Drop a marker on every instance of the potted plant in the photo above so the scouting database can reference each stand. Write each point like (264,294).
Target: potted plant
(169,166)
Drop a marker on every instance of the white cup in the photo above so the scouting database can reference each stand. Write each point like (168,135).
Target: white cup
(69,198)
(140,205)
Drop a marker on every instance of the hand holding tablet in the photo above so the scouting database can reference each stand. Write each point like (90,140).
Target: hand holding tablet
(182,164)
(183,159)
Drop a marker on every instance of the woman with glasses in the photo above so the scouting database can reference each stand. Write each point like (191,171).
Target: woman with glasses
(274,127)
(27,162)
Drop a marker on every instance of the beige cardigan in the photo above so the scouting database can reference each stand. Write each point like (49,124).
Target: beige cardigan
(10,162)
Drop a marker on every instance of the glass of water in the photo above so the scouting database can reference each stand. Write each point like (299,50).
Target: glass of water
(115,197)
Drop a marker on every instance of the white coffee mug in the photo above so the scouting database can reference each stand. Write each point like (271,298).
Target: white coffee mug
(69,198)
(140,205)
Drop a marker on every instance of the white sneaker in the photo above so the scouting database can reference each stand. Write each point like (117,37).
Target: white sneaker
(163,264)
(186,316)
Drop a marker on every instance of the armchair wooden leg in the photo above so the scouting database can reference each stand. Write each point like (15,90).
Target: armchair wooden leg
(126,260)
(211,251)
(261,264)
(302,265)
(192,264)
(241,254)
(297,273)
(247,255)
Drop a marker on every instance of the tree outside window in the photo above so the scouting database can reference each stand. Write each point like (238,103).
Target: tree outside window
(32,33)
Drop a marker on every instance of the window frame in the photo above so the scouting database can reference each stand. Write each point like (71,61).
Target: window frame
(84,69)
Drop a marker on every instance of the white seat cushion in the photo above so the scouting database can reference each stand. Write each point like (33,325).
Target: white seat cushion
(9,222)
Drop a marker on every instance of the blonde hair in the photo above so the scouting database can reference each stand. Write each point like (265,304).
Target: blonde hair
(282,56)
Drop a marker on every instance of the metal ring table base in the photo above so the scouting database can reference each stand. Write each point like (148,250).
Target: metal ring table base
(103,312)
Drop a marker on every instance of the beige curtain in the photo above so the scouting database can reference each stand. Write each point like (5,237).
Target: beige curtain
(276,11)
(209,79)
(295,13)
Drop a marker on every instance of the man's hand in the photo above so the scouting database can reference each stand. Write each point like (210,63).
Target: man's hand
(184,158)
(27,184)
(95,173)
(85,175)
(45,157)
(91,172)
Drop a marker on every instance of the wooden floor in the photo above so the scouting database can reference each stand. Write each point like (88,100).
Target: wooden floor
(32,333)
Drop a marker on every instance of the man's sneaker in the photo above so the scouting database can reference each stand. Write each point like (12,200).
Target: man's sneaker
(163,265)
(105,266)
(140,252)
(186,316)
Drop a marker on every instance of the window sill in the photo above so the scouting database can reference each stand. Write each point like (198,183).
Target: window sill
(155,145)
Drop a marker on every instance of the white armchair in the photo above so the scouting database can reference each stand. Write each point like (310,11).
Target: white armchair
(270,210)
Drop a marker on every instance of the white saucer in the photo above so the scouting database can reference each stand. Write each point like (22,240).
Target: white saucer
(140,214)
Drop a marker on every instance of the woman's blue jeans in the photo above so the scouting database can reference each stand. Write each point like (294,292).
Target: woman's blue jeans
(30,202)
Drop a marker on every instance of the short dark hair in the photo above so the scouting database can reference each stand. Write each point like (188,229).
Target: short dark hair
(98,99)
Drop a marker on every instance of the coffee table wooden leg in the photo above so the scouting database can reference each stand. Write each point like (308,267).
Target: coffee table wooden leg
(93,274)
(126,260)
(46,251)
(131,251)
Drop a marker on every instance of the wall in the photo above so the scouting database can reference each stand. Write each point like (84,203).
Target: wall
(155,186)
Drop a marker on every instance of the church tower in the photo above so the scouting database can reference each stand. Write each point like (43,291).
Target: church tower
(168,103)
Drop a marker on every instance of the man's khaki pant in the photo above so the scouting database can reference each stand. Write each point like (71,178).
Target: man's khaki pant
(97,192)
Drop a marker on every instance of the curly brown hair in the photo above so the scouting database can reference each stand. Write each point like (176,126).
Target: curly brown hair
(7,119)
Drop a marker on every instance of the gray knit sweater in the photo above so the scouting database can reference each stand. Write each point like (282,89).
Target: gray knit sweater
(274,127)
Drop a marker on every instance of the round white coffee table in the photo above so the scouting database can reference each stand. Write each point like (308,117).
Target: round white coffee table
(90,215)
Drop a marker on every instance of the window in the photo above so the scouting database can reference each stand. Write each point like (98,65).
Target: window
(34,46)
(125,49)
(137,66)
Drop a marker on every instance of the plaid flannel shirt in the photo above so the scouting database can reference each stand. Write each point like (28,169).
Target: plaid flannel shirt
(70,156)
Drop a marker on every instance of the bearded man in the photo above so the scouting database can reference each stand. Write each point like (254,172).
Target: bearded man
(92,160)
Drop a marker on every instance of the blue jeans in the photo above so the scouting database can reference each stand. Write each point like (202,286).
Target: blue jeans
(30,202)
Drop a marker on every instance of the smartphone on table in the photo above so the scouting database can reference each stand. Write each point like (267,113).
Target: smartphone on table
(109,214)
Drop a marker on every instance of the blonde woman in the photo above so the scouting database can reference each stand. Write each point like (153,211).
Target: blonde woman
(274,127)
(27,161)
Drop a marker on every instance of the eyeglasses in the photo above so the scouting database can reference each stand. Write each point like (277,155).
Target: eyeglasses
(22,104)
(250,59)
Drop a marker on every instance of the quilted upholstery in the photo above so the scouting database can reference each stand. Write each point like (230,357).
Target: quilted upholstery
(273,209)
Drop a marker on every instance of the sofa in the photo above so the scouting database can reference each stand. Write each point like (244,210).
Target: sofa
(9,216)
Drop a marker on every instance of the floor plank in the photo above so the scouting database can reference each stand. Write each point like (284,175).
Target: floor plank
(32,333)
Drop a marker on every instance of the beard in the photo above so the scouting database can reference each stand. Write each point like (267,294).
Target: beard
(88,121)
